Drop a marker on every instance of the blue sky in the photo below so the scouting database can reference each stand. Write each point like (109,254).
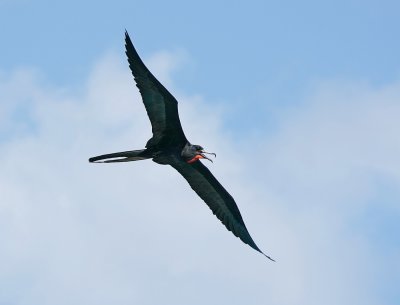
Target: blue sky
(284,46)
(300,101)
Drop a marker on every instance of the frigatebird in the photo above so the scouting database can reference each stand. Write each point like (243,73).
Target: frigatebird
(169,145)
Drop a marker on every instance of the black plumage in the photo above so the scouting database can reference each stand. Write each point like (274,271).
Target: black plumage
(169,146)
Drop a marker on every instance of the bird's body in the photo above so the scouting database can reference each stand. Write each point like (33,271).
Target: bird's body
(169,146)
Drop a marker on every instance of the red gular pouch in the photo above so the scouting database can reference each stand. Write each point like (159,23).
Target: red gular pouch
(197,157)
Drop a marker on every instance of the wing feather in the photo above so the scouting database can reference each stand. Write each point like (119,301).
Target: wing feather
(161,106)
(215,196)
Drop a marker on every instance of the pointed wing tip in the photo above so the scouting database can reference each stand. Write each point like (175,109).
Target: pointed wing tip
(270,258)
(258,249)
(127,38)
(128,41)
(129,48)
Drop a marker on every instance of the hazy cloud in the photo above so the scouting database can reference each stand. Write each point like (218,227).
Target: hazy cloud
(80,233)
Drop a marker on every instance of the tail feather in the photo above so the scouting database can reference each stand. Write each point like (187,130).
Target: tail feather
(124,156)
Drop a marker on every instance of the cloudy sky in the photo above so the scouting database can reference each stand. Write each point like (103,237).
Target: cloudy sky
(301,103)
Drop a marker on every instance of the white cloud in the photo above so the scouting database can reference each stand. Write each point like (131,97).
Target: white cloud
(324,164)
(345,135)
(80,233)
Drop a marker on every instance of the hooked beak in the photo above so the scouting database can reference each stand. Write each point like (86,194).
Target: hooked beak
(202,152)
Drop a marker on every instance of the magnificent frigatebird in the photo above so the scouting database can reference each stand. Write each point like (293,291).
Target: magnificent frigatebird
(169,145)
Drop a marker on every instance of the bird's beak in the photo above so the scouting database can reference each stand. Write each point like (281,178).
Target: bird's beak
(205,157)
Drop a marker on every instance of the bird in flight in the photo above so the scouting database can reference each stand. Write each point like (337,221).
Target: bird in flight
(169,145)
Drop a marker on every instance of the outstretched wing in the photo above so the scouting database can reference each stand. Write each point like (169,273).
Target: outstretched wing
(215,196)
(161,106)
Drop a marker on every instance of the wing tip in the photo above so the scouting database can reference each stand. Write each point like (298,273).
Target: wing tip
(127,38)
(258,249)
(130,50)
(270,258)
(252,244)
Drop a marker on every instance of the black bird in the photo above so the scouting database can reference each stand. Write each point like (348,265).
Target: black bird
(169,145)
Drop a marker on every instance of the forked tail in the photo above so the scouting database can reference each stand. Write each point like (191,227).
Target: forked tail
(124,156)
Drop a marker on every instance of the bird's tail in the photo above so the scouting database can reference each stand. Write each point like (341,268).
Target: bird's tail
(124,156)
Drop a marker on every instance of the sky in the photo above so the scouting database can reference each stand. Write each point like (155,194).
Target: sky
(300,101)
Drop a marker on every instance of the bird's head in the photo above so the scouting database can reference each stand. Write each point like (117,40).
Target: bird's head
(192,153)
